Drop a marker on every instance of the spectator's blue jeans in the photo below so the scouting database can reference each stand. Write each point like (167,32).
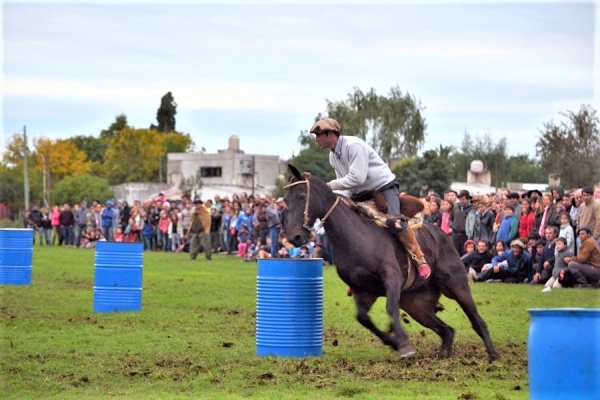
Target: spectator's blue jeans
(67,233)
(44,235)
(108,233)
(274,235)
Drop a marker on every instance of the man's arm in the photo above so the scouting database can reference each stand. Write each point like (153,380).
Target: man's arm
(358,168)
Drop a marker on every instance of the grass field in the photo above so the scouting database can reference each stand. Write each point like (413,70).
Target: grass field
(195,338)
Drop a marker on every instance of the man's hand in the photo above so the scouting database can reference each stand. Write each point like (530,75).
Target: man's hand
(496,269)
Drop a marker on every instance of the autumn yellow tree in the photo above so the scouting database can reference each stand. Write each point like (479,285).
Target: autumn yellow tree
(62,157)
(133,156)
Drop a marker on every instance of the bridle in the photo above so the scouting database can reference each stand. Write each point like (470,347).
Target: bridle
(305,213)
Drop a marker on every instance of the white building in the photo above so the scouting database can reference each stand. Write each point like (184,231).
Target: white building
(228,171)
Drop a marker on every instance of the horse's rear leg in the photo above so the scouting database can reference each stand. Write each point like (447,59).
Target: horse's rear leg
(421,307)
(458,289)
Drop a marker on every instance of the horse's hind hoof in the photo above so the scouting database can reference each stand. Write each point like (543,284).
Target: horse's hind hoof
(407,351)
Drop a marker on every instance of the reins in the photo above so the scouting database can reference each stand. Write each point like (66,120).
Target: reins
(305,213)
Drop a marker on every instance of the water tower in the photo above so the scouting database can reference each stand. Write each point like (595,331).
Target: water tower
(478,173)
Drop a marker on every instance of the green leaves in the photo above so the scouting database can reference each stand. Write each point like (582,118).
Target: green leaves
(571,149)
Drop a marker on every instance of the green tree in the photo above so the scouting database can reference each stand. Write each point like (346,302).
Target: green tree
(165,115)
(522,168)
(133,156)
(392,124)
(73,189)
(571,149)
(93,147)
(114,128)
(418,175)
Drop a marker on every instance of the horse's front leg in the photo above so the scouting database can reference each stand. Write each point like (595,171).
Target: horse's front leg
(393,290)
(364,302)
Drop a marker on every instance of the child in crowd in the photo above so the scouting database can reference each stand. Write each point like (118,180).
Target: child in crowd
(566,231)
(447,206)
(119,236)
(244,240)
(560,265)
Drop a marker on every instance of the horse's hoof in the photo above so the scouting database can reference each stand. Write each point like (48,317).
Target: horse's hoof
(407,351)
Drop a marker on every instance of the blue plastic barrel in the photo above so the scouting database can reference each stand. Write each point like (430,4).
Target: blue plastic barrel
(16,254)
(118,276)
(564,353)
(289,307)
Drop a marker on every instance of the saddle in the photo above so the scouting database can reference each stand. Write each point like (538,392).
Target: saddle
(373,205)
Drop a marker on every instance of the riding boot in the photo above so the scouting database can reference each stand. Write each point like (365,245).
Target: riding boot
(408,239)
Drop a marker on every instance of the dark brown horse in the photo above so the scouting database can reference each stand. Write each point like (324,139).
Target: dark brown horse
(373,264)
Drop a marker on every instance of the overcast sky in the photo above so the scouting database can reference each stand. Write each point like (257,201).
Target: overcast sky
(263,71)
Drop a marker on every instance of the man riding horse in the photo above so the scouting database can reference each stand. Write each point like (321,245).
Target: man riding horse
(358,169)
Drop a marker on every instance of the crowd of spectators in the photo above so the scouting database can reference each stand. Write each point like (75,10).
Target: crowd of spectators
(249,227)
(551,239)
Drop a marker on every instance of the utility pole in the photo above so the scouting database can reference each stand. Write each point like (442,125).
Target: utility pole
(25,168)
(252,176)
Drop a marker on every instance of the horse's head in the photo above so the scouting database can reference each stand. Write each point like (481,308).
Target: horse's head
(307,198)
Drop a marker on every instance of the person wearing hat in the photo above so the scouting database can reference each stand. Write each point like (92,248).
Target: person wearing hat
(513,265)
(198,232)
(358,168)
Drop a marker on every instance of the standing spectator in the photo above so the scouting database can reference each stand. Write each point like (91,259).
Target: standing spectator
(107,217)
(226,224)
(162,233)
(215,224)
(509,227)
(589,213)
(484,223)
(186,215)
(567,232)
(199,231)
(435,216)
(445,221)
(66,220)
(274,225)
(513,200)
(585,266)
(37,224)
(548,213)
(575,203)
(527,220)
(459,221)
(147,232)
(245,218)
(81,222)
(56,233)
(47,225)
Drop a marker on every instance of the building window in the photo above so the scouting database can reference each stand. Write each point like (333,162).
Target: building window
(210,172)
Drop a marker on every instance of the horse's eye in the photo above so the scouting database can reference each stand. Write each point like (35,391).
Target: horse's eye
(302,197)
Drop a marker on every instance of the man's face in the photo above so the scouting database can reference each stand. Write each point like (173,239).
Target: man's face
(583,235)
(481,247)
(463,200)
(516,250)
(451,196)
(549,234)
(326,140)
(566,201)
(578,198)
(587,198)
(597,193)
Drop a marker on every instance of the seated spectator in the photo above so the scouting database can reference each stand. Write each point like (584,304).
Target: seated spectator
(476,260)
(545,264)
(532,240)
(499,247)
(585,266)
(119,236)
(514,265)
(562,251)
(304,252)
(469,247)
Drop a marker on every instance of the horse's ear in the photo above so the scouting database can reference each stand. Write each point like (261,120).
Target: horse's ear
(293,174)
